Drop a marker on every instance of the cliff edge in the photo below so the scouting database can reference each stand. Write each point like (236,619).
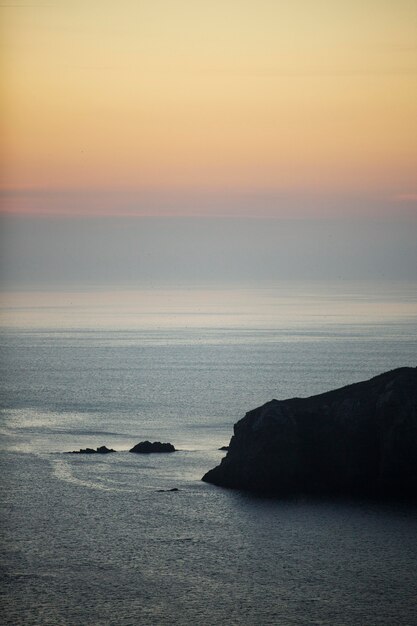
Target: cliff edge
(356,440)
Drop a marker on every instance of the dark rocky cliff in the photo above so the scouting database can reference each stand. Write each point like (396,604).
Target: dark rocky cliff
(357,440)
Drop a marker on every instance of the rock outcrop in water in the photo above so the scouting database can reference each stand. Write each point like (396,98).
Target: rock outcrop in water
(357,440)
(146,447)
(100,450)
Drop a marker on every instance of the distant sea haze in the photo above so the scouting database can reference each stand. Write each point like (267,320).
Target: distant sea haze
(61,253)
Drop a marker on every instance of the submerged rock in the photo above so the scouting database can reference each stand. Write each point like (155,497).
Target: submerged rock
(100,450)
(146,447)
(357,440)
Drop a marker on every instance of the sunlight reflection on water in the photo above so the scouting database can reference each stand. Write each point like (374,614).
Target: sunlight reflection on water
(287,305)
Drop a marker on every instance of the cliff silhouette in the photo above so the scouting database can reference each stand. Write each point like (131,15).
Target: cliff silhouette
(357,440)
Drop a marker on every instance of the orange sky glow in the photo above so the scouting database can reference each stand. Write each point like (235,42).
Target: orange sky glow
(180,107)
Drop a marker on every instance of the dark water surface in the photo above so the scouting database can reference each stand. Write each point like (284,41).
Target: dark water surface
(89,540)
(113,551)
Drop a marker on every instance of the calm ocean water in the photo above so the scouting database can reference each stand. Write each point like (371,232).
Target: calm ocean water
(89,540)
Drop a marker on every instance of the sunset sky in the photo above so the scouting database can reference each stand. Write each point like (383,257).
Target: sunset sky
(227,107)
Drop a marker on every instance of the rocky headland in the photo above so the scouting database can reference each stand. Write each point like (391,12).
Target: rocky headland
(359,440)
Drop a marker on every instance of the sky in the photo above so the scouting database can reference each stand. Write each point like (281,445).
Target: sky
(184,140)
(227,107)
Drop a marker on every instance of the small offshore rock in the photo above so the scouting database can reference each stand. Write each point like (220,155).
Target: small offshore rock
(167,490)
(104,450)
(100,450)
(146,447)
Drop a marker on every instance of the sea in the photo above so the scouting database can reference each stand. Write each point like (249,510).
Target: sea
(100,540)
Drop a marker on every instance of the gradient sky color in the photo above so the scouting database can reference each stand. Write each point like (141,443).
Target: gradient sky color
(227,107)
